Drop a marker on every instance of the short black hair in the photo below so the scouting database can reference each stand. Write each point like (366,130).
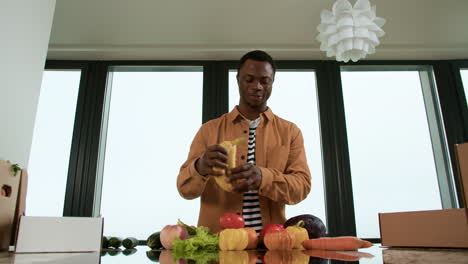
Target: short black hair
(257,55)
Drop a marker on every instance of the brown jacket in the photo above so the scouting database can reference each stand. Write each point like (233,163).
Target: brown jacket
(279,153)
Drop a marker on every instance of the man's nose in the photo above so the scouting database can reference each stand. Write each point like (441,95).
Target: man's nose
(257,85)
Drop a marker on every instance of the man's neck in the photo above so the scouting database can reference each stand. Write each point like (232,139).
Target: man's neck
(250,113)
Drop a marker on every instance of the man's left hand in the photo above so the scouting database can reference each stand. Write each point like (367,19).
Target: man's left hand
(251,174)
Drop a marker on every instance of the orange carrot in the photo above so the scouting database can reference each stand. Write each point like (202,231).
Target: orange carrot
(336,243)
(366,244)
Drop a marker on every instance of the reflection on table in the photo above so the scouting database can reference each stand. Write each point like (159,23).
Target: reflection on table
(373,255)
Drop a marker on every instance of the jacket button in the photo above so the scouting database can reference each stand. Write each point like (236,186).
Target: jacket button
(242,157)
(245,131)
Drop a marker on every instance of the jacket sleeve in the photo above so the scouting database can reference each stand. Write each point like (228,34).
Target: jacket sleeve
(294,183)
(190,183)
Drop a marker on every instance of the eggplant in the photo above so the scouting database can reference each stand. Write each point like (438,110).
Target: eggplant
(154,241)
(314,226)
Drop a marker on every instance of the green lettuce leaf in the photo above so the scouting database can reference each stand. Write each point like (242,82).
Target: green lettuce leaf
(201,247)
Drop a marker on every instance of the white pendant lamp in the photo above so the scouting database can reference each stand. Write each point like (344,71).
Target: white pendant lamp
(350,32)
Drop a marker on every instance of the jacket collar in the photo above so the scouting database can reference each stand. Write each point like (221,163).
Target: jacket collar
(235,115)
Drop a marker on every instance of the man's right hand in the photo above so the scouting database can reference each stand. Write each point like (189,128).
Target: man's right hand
(214,156)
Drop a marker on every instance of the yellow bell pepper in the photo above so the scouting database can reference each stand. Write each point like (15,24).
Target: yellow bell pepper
(300,234)
(233,239)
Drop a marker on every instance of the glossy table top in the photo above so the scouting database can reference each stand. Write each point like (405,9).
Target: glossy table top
(373,255)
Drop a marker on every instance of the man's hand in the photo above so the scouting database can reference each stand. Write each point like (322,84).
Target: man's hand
(251,174)
(214,156)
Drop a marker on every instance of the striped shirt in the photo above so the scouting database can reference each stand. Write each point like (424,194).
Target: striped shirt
(251,203)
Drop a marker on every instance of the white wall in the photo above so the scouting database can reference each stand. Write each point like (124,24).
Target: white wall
(25,27)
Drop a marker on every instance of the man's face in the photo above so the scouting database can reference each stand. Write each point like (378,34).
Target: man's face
(255,82)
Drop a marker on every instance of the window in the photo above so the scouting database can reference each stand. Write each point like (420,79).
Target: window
(50,149)
(152,116)
(294,97)
(393,147)
(464,75)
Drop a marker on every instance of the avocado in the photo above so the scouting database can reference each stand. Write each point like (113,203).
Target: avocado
(314,226)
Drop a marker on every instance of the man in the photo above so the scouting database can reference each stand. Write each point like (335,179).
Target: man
(271,163)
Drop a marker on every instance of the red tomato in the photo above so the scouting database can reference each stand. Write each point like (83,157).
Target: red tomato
(230,220)
(272,228)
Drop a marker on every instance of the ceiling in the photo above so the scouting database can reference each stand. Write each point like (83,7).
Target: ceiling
(224,30)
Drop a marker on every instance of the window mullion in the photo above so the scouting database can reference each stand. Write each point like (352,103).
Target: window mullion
(338,186)
(438,140)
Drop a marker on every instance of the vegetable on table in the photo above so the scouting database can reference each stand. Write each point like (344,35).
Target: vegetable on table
(231,148)
(314,225)
(336,243)
(271,228)
(130,242)
(300,234)
(115,242)
(191,230)
(230,220)
(252,237)
(202,241)
(105,242)
(154,241)
(170,232)
(279,240)
(233,239)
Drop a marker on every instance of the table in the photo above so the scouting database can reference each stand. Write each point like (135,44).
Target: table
(372,255)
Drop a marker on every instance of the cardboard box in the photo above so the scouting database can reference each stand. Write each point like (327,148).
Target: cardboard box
(12,203)
(435,228)
(45,234)
(58,258)
(462,160)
